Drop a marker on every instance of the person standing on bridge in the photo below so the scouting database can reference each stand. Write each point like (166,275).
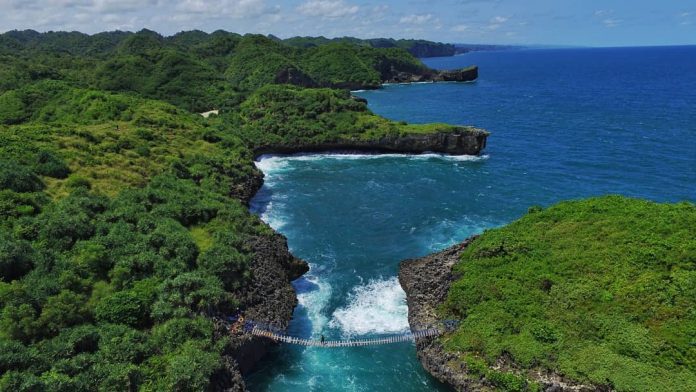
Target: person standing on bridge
(322,339)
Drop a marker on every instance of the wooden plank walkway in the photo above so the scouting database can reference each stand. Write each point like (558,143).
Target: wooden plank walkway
(407,337)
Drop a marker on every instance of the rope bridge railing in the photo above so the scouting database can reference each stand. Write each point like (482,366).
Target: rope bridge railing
(407,337)
(278,335)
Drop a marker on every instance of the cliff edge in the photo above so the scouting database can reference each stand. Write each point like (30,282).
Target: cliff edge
(456,141)
(468,74)
(426,282)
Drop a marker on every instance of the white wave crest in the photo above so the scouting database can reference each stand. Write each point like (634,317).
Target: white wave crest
(378,307)
(272,218)
(314,301)
(270,164)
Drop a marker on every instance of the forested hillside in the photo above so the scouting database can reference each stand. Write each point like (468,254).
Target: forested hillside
(123,226)
(194,70)
(416,47)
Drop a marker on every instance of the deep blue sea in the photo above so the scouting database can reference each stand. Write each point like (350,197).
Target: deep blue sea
(564,123)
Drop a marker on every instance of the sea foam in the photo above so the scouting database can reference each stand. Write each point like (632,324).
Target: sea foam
(314,301)
(377,307)
(271,164)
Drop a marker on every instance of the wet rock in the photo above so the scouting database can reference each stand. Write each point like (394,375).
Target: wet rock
(457,141)
(468,74)
(269,298)
(426,282)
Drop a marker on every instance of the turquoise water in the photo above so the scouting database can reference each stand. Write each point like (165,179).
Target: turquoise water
(565,124)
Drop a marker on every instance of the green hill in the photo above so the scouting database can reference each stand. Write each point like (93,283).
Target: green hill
(601,291)
(194,70)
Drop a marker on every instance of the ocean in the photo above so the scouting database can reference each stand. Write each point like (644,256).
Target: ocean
(564,123)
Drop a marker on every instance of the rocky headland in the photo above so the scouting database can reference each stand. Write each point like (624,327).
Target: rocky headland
(454,141)
(391,75)
(271,300)
(468,74)
(426,282)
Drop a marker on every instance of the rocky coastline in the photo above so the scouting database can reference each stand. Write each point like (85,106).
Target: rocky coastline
(426,282)
(468,74)
(389,76)
(272,298)
(459,141)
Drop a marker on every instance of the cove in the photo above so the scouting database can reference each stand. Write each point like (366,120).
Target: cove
(565,124)
(354,218)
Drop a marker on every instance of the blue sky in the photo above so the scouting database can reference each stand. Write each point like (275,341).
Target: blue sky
(551,22)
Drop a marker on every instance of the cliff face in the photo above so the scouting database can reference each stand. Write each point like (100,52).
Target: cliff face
(460,75)
(426,282)
(430,49)
(463,141)
(270,299)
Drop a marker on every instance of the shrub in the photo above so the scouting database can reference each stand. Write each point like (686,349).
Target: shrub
(18,178)
(16,258)
(47,164)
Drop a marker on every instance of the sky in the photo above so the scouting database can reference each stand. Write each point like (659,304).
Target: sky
(525,22)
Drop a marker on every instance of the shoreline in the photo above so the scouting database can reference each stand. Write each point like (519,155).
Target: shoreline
(462,141)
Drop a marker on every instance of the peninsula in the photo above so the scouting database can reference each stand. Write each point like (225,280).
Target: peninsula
(591,295)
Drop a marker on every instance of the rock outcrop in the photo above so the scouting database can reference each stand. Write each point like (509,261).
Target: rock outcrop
(460,75)
(426,282)
(460,141)
(270,298)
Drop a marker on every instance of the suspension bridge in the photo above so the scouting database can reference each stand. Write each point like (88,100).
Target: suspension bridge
(269,332)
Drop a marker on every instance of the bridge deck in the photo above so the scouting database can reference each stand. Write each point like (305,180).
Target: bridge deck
(408,337)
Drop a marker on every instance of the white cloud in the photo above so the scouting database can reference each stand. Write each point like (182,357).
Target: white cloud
(416,19)
(611,22)
(227,8)
(459,28)
(120,5)
(328,8)
(685,18)
(164,16)
(497,22)
(606,17)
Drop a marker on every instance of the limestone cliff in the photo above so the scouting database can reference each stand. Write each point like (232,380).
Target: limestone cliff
(456,141)
(459,75)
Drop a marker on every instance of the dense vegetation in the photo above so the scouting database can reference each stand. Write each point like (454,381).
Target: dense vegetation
(120,239)
(193,70)
(282,114)
(122,225)
(416,47)
(601,290)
